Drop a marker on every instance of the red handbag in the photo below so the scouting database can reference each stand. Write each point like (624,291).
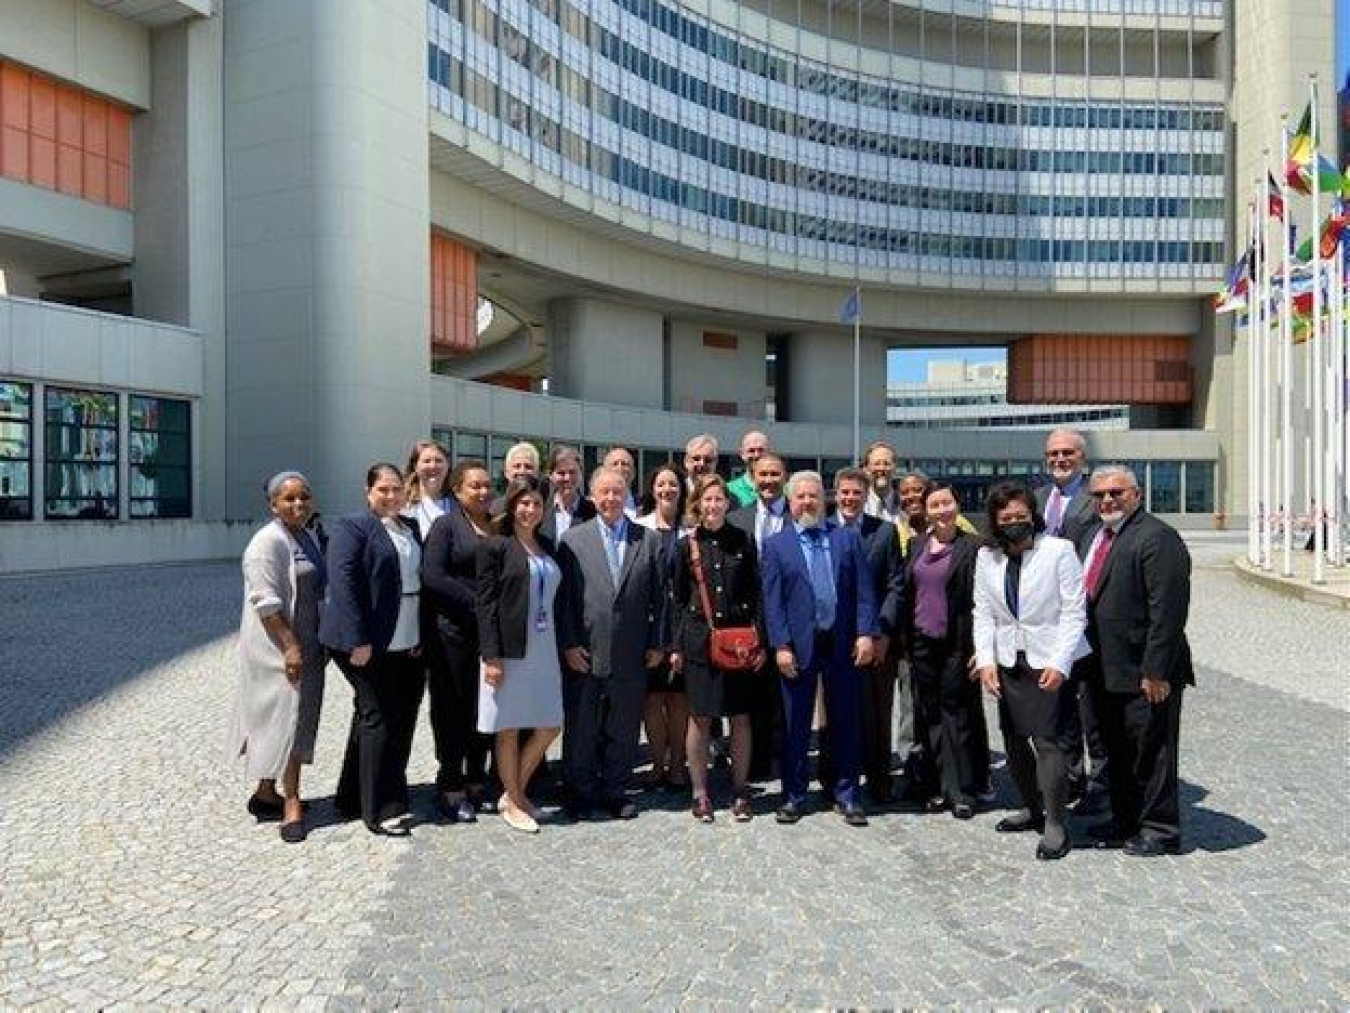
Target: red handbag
(732,648)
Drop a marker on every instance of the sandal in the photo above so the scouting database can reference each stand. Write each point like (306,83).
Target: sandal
(703,810)
(741,810)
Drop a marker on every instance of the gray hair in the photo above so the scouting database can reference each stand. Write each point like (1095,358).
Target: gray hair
(703,440)
(523,448)
(1079,440)
(803,476)
(1107,470)
(273,485)
(605,471)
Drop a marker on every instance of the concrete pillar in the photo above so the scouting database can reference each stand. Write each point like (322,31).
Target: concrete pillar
(327,241)
(820,385)
(605,352)
(179,271)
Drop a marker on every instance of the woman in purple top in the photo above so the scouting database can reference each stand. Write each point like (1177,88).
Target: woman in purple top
(939,578)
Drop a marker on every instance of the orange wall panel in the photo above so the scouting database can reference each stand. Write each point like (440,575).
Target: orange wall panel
(454,295)
(1100,369)
(61,137)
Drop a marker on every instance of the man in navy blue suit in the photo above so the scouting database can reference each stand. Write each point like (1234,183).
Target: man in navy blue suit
(820,611)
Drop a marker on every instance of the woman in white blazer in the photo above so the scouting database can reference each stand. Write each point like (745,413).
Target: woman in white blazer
(1029,621)
(281,661)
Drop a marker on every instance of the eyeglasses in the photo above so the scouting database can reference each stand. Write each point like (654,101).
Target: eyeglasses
(1061,453)
(1110,493)
(700,457)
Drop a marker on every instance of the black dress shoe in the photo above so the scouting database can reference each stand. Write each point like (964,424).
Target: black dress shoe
(963,810)
(1151,846)
(1107,835)
(264,811)
(1020,824)
(788,812)
(1045,854)
(622,809)
(293,833)
(854,814)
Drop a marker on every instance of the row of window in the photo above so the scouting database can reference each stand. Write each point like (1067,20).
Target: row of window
(782,67)
(1166,8)
(1170,487)
(82,454)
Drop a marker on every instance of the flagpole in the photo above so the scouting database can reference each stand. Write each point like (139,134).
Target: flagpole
(857,372)
(1336,401)
(1286,364)
(1316,345)
(1253,408)
(1265,423)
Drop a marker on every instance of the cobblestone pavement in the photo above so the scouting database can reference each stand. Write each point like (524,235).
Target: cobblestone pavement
(130,874)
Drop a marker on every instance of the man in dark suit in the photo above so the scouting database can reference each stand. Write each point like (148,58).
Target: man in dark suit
(881,546)
(821,614)
(761,520)
(612,624)
(1138,580)
(566,505)
(1069,513)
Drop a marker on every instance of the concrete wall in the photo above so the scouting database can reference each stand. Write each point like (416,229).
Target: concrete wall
(99,235)
(26,547)
(328,240)
(701,373)
(820,378)
(602,351)
(77,42)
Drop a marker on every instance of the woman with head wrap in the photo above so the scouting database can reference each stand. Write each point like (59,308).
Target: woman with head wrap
(281,662)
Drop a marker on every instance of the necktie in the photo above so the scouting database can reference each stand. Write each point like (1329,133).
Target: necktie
(1054,514)
(822,580)
(1011,579)
(763,531)
(612,552)
(1098,561)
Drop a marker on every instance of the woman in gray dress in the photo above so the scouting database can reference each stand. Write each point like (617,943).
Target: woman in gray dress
(281,662)
(521,685)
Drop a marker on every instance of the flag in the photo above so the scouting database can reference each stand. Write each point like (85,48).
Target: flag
(1274,202)
(1233,296)
(851,311)
(1301,145)
(1329,238)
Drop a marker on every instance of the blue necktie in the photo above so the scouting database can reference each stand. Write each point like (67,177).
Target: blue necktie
(612,551)
(822,580)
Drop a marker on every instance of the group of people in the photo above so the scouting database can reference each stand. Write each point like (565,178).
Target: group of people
(739,616)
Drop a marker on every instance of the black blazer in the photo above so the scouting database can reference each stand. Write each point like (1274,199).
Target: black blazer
(502,603)
(731,571)
(548,528)
(1137,622)
(960,589)
(1080,521)
(450,575)
(881,546)
(365,585)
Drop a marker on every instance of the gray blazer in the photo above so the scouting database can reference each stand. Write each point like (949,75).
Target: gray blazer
(1080,521)
(617,625)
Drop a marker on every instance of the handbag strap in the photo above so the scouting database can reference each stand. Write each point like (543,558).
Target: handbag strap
(697,560)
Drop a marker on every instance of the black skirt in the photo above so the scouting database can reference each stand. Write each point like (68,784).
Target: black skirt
(714,693)
(662,680)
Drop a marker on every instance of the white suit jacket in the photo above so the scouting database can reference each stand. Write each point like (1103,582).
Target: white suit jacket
(1052,608)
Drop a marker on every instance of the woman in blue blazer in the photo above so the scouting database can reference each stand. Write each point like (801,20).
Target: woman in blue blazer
(370,623)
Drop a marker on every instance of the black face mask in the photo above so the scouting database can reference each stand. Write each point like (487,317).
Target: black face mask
(1017,531)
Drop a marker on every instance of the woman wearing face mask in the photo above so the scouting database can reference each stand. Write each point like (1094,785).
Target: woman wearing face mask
(1029,621)
(667,711)
(521,684)
(281,661)
(939,573)
(450,587)
(371,623)
(730,567)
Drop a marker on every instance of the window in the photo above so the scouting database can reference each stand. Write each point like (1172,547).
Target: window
(160,444)
(1165,487)
(16,451)
(1199,487)
(81,465)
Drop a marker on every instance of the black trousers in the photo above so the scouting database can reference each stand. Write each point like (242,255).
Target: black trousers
(878,709)
(1083,743)
(1033,717)
(948,718)
(766,720)
(600,734)
(388,692)
(1141,743)
(452,691)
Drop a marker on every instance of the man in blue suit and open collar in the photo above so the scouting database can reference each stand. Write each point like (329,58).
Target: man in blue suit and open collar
(820,610)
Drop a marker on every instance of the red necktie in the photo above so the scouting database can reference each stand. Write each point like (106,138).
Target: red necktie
(1098,561)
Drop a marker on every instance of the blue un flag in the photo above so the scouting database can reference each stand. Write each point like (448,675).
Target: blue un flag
(851,311)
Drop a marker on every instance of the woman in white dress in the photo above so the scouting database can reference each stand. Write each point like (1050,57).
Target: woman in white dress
(521,684)
(281,661)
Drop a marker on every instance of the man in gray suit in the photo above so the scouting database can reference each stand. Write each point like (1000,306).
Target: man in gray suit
(1069,513)
(611,631)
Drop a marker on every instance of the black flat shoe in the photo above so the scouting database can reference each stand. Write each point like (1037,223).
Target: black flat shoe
(963,811)
(788,812)
(1045,854)
(1108,835)
(854,814)
(1020,824)
(264,811)
(293,833)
